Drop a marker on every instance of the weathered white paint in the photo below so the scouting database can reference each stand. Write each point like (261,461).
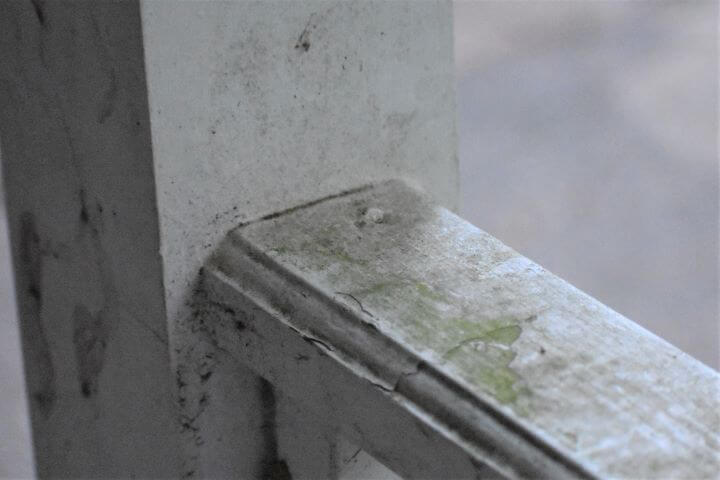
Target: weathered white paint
(258,106)
(135,135)
(78,173)
(437,348)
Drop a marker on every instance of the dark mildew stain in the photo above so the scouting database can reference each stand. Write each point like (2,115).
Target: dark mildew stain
(91,332)
(38,358)
(303,42)
(39,11)
(90,337)
(84,216)
(272,467)
(91,221)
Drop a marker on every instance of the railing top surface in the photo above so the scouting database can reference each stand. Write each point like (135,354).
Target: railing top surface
(430,291)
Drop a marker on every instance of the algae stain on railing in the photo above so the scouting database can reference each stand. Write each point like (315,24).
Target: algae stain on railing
(478,347)
(488,358)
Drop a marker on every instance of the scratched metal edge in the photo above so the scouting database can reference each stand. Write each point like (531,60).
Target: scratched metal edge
(539,456)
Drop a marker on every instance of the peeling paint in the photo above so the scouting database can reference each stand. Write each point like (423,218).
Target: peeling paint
(480,346)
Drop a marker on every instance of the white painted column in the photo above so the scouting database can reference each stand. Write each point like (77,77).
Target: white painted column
(82,213)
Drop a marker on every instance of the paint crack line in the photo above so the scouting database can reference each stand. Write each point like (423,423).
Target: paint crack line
(362,309)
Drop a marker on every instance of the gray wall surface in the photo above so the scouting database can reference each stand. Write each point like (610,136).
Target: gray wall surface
(587,142)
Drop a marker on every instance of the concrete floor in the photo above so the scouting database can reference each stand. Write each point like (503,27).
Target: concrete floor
(588,142)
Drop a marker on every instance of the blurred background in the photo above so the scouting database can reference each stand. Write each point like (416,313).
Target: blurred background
(588,142)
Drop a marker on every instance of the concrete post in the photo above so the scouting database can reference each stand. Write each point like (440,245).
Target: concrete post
(134,136)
